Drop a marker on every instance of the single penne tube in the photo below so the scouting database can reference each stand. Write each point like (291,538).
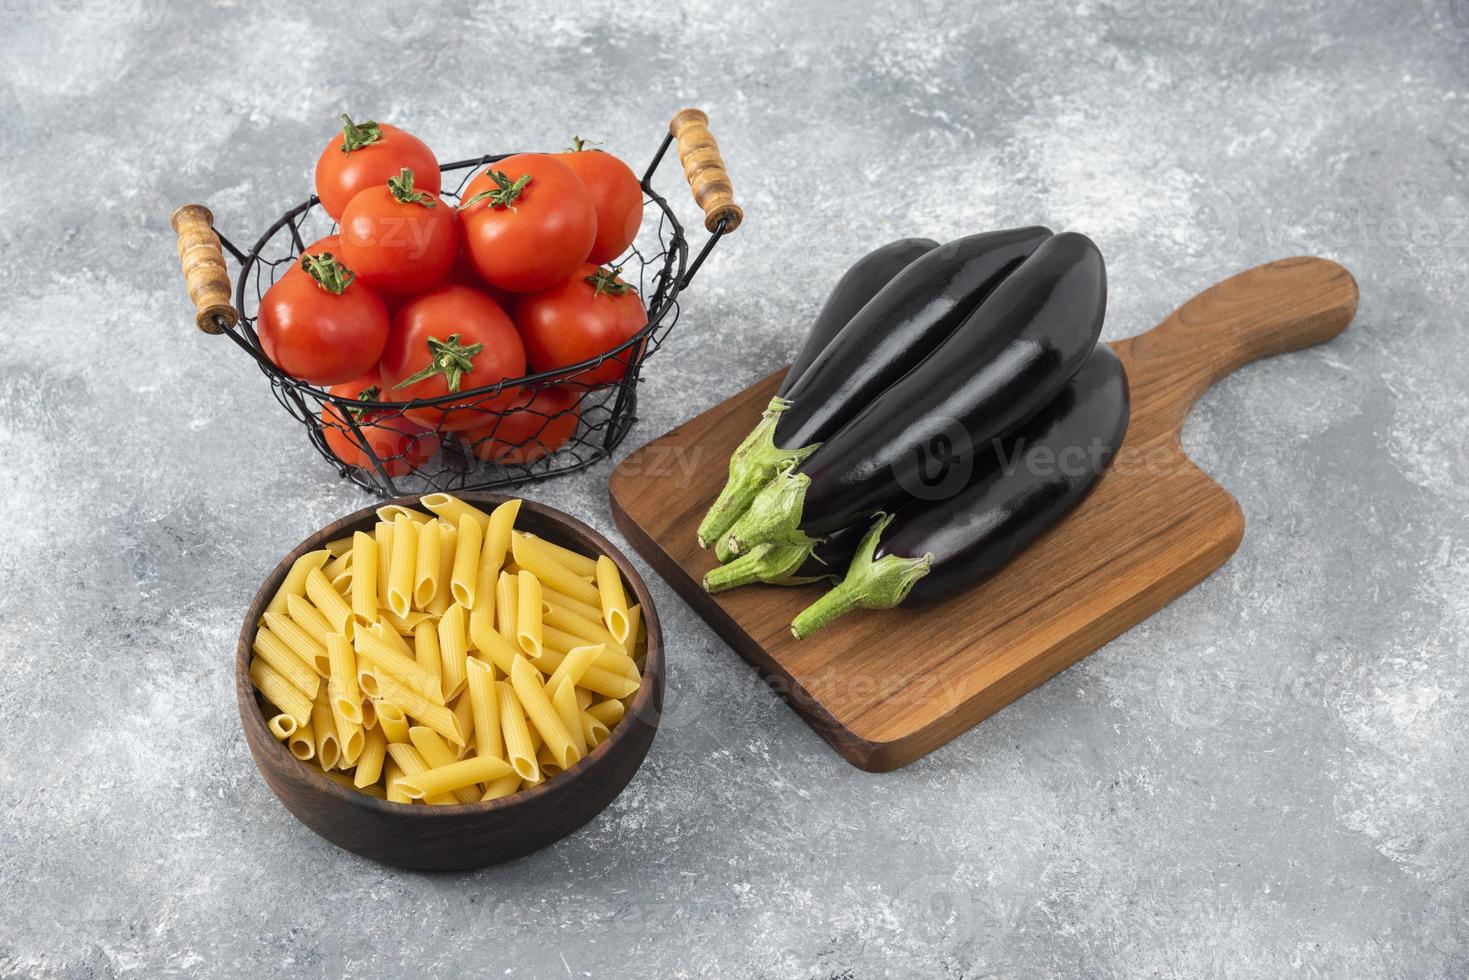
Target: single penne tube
(464,715)
(402,625)
(426,648)
(370,763)
(287,697)
(392,774)
(302,743)
(534,555)
(308,619)
(546,760)
(497,789)
(485,707)
(594,731)
(452,510)
(324,728)
(390,636)
(436,754)
(531,692)
(589,631)
(382,536)
(584,698)
(444,594)
(368,707)
(391,512)
(608,658)
(506,612)
(426,565)
(403,565)
(342,582)
(520,750)
(468,549)
(421,709)
(574,665)
(268,646)
(339,546)
(455,777)
(566,603)
(346,699)
(635,631)
(453,650)
(614,599)
(584,566)
(350,739)
(364,578)
(411,762)
(482,613)
(338,566)
(497,650)
(608,713)
(386,658)
(295,580)
(324,596)
(392,720)
(282,726)
(563,699)
(528,614)
(609,684)
(498,532)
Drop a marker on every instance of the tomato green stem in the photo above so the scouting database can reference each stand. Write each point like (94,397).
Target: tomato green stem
(503,194)
(753,464)
(880,584)
(329,273)
(605,280)
(578,145)
(357,135)
(401,187)
(447,357)
(368,394)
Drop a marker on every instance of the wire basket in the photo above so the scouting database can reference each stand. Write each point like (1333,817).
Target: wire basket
(524,429)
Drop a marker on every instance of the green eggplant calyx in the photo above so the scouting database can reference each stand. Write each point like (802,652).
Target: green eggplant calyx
(401,187)
(752,465)
(505,192)
(327,272)
(768,563)
(357,135)
(447,357)
(774,516)
(869,584)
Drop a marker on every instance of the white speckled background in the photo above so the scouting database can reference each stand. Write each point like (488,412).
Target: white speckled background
(1268,778)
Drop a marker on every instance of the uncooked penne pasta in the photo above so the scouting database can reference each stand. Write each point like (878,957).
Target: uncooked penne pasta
(386,658)
(394,639)
(531,693)
(457,776)
(346,700)
(410,761)
(426,712)
(452,510)
(501,788)
(528,614)
(520,751)
(392,720)
(426,564)
(364,578)
(506,613)
(614,599)
(574,665)
(280,692)
(403,625)
(583,566)
(594,731)
(426,649)
(283,726)
(368,707)
(392,774)
(324,596)
(391,512)
(533,554)
(339,546)
(464,715)
(268,647)
(444,594)
(338,566)
(324,728)
(499,651)
(370,762)
(453,650)
(295,580)
(308,620)
(566,624)
(382,536)
(302,743)
(404,563)
(547,762)
(608,713)
(482,614)
(634,627)
(563,699)
(584,699)
(437,754)
(566,603)
(485,707)
(497,534)
(468,549)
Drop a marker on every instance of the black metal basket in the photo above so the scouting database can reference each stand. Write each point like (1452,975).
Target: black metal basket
(378,446)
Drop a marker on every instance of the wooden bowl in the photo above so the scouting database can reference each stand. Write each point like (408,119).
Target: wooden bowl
(476,834)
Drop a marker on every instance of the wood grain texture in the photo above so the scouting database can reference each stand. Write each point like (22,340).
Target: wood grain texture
(204,269)
(885,688)
(704,167)
(470,835)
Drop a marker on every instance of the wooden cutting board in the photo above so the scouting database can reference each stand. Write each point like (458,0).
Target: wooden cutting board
(885,688)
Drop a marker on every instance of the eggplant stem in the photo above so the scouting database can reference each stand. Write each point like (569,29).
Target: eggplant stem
(773,517)
(869,584)
(752,465)
(767,563)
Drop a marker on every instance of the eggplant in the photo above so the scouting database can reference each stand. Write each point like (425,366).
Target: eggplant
(929,551)
(856,286)
(827,561)
(907,319)
(1008,360)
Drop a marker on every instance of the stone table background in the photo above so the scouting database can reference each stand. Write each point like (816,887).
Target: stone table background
(1269,777)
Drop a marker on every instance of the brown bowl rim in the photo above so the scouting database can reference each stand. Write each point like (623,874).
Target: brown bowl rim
(653,666)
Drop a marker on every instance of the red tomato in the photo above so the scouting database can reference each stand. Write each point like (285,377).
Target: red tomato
(366,155)
(528,222)
(535,426)
(451,339)
(322,326)
(588,314)
(331,244)
(398,443)
(398,239)
(616,194)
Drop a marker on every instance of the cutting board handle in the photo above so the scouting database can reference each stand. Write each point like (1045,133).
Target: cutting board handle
(1270,309)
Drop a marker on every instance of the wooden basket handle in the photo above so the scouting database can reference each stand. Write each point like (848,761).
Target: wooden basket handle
(204,269)
(704,168)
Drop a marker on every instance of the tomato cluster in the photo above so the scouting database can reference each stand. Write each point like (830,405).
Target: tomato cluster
(413,298)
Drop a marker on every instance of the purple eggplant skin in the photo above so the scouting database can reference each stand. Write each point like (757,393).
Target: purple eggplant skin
(907,319)
(1003,365)
(856,286)
(1028,483)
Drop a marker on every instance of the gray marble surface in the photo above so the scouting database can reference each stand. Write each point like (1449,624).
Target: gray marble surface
(1267,778)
